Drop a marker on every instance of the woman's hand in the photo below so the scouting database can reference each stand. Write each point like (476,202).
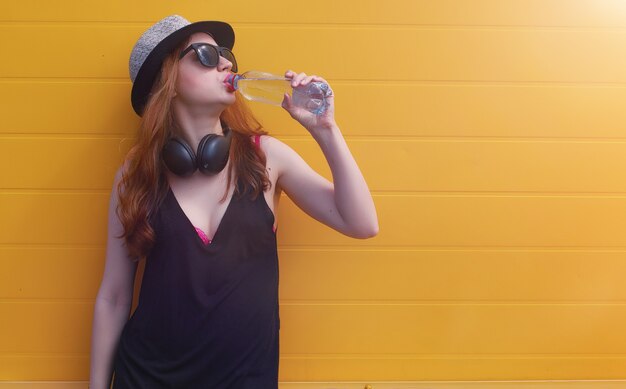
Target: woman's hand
(310,121)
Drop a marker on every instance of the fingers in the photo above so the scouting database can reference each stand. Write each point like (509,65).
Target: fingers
(318,78)
(298,79)
(286,102)
(301,79)
(287,105)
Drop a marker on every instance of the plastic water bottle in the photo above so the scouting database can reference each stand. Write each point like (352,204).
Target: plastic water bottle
(269,88)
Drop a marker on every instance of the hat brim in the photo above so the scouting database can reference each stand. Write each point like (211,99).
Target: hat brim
(222,33)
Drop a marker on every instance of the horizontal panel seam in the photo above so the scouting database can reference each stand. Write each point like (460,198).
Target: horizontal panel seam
(129,135)
(349,81)
(369,248)
(334,303)
(376,193)
(342,25)
(345,249)
(450,356)
(512,303)
(366,356)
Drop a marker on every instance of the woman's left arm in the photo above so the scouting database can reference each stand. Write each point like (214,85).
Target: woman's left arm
(346,204)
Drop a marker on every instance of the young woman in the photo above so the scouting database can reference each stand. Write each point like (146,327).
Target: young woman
(196,198)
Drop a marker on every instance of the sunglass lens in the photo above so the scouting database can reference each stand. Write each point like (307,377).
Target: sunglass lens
(208,55)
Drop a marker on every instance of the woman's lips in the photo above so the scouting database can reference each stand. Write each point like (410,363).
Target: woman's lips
(229,81)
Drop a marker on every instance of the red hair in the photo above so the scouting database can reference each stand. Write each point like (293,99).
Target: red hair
(144,185)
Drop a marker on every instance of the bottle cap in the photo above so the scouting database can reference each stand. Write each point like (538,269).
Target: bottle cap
(231,81)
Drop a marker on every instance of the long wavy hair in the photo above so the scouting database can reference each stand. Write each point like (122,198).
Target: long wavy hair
(143,185)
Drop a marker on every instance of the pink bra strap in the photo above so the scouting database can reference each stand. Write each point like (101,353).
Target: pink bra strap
(257,141)
(205,239)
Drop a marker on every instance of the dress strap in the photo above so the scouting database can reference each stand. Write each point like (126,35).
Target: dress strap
(257,141)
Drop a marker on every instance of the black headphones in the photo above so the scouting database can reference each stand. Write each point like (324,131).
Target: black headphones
(211,158)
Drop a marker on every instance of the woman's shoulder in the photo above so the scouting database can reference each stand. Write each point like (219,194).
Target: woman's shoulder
(119,176)
(279,155)
(270,144)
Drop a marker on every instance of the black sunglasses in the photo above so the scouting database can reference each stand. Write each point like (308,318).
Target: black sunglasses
(209,55)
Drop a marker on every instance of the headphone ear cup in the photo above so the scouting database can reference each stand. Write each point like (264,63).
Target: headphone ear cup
(179,157)
(213,153)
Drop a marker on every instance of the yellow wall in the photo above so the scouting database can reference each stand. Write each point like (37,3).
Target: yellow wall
(491,132)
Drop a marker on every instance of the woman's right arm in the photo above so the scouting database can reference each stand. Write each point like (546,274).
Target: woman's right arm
(113,302)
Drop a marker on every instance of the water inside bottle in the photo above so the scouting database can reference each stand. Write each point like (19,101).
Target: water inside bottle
(264,90)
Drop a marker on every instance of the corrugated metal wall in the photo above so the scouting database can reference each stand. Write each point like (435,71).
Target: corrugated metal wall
(491,132)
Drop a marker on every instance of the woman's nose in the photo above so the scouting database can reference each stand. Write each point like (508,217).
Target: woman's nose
(224,64)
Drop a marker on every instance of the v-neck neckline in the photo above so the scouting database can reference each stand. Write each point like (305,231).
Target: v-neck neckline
(191,225)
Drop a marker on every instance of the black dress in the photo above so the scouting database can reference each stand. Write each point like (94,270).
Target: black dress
(207,315)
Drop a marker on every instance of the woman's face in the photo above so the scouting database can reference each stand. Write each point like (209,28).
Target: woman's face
(201,86)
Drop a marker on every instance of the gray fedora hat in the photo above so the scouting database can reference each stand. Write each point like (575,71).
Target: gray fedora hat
(157,42)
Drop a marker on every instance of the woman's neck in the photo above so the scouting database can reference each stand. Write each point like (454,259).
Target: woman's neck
(193,129)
